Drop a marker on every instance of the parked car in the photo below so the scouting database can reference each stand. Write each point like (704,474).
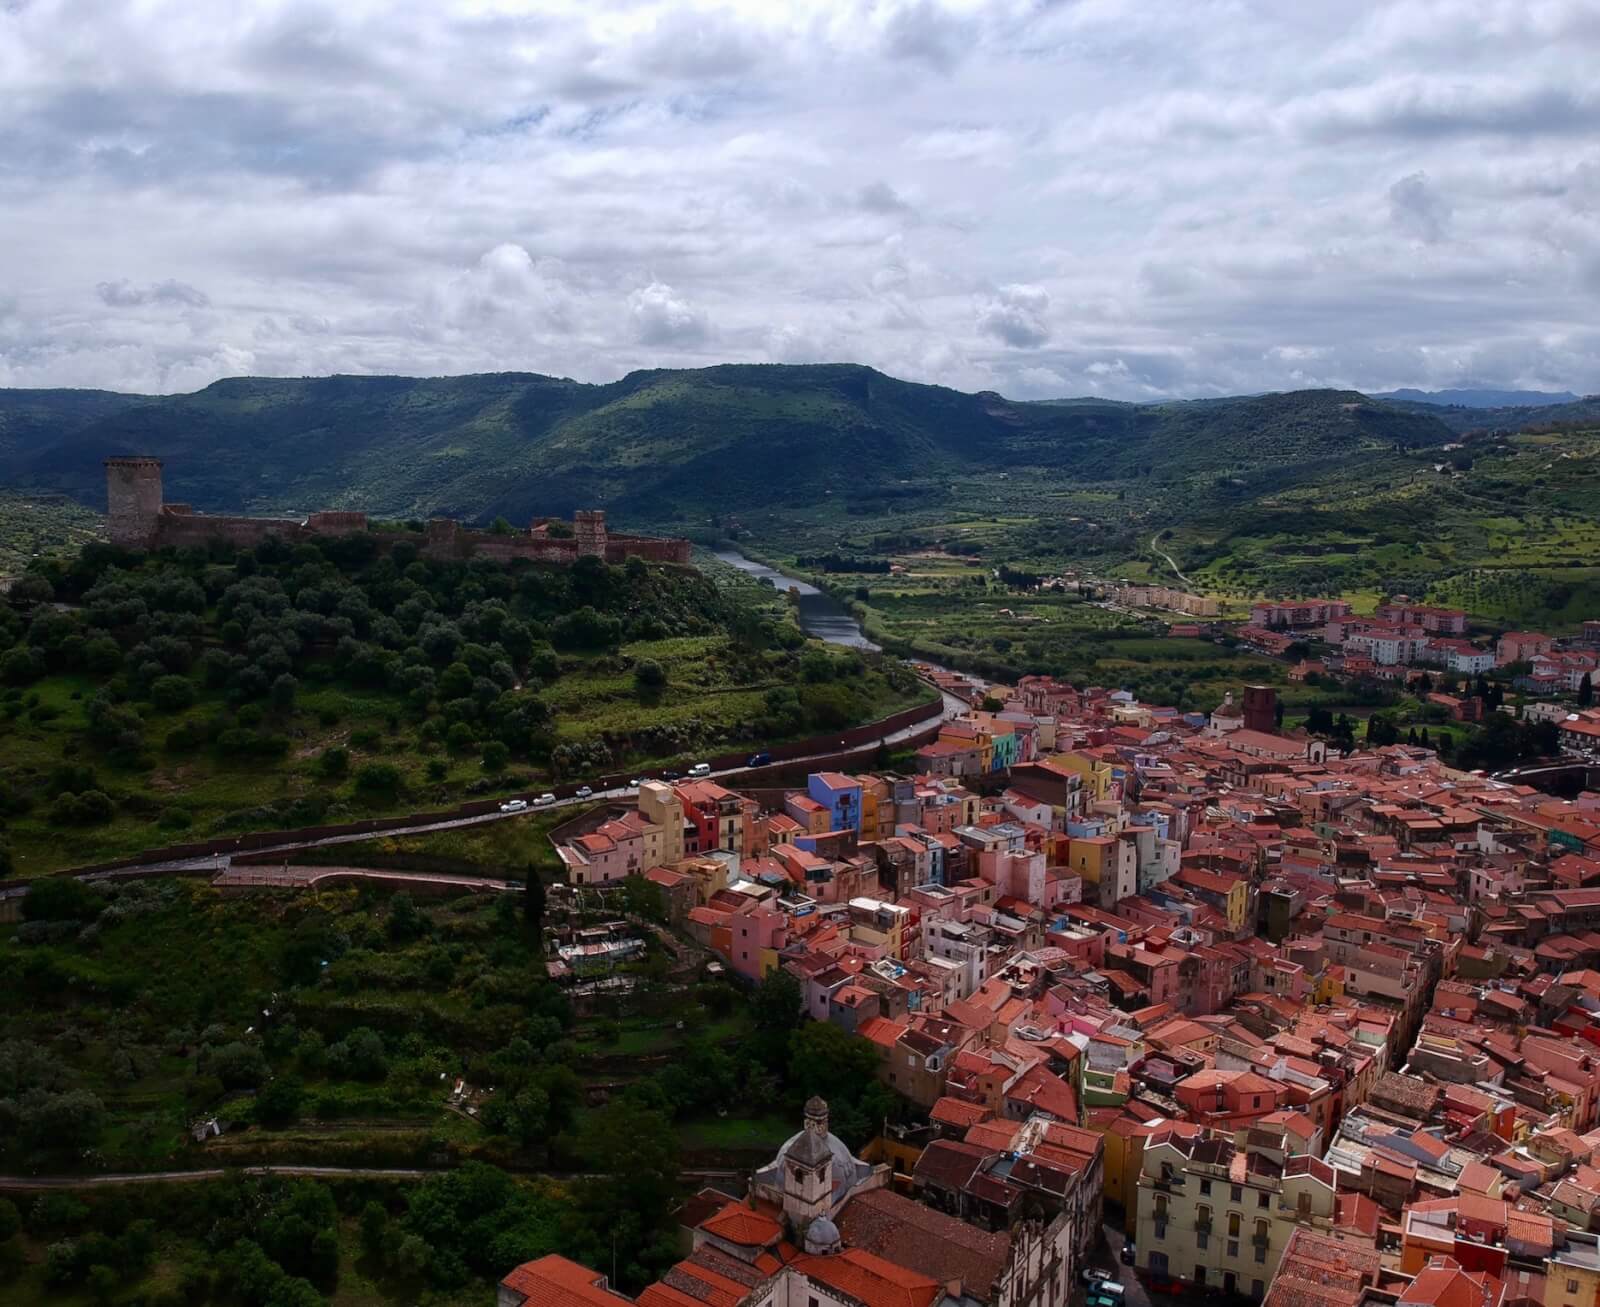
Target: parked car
(700,769)
(637,781)
(672,775)
(758,760)
(544,800)
(584,792)
(1092,1276)
(1130,1254)
(1109,1289)
(513,805)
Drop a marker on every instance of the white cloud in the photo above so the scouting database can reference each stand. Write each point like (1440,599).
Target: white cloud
(1017,315)
(1101,197)
(662,317)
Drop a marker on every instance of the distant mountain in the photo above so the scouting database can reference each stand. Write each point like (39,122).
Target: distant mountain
(656,445)
(1480,398)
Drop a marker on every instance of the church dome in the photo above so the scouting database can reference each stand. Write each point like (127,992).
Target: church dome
(822,1236)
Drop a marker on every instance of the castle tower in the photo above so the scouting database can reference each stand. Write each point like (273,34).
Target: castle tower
(589,529)
(808,1170)
(133,501)
(1260,708)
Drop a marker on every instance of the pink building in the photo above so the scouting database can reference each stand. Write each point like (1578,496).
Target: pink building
(1520,646)
(752,933)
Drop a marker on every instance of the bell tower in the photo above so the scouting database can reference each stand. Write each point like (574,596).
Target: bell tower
(808,1170)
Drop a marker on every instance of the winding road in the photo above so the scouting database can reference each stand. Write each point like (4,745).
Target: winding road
(1170,562)
(221,860)
(38,1183)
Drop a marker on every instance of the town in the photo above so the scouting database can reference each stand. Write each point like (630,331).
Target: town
(1297,1024)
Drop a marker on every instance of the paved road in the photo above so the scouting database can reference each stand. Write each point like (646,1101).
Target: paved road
(220,860)
(35,1183)
(302,877)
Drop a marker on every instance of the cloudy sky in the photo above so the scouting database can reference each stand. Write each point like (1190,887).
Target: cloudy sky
(1135,198)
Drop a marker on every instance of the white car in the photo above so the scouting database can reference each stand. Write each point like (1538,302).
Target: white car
(584,792)
(544,800)
(636,782)
(513,805)
(700,769)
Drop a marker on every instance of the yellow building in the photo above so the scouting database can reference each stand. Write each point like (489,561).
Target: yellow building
(1096,773)
(660,805)
(1092,857)
(1572,1275)
(1218,1216)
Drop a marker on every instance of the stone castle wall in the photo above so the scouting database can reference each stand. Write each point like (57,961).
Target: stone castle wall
(140,520)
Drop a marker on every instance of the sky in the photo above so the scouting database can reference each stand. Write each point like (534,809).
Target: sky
(1131,198)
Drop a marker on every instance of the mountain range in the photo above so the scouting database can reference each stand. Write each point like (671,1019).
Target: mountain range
(660,446)
(1479,397)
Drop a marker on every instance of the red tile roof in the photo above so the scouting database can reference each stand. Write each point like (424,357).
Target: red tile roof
(555,1282)
(738,1223)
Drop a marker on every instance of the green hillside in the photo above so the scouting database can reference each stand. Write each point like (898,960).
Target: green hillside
(655,445)
(1324,491)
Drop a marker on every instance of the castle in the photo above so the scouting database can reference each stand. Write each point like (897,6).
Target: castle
(140,518)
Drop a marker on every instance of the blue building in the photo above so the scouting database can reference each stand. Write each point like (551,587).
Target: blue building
(840,795)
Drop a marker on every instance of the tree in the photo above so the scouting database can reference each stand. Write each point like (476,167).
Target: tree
(284,689)
(279,1103)
(60,898)
(172,693)
(1585,691)
(642,897)
(374,1227)
(1277,714)
(495,757)
(334,762)
(378,780)
(237,1065)
(533,900)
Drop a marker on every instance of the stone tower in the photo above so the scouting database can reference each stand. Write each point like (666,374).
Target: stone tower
(808,1170)
(133,501)
(1260,708)
(589,529)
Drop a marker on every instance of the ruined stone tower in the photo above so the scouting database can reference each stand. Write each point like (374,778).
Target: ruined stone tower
(133,501)
(589,530)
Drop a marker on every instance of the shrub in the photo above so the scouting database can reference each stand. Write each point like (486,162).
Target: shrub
(172,693)
(378,780)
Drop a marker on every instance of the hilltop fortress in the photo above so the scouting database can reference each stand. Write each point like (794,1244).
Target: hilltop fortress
(141,519)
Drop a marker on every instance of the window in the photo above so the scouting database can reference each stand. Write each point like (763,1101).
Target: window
(811,1302)
(1257,1289)
(1205,1186)
(1572,1286)
(1161,1229)
(1238,1194)
(1261,1252)
(1263,1199)
(1233,1225)
(1201,1240)
(1233,1247)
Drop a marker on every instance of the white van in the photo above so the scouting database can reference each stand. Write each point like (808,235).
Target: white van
(700,769)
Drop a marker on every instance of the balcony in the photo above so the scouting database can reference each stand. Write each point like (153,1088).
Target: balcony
(1202,1226)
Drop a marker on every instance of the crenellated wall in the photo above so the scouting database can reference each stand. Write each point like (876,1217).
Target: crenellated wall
(140,520)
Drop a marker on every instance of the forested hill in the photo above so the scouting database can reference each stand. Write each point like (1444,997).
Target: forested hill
(653,445)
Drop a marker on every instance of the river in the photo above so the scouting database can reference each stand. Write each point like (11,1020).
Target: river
(827,619)
(820,615)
